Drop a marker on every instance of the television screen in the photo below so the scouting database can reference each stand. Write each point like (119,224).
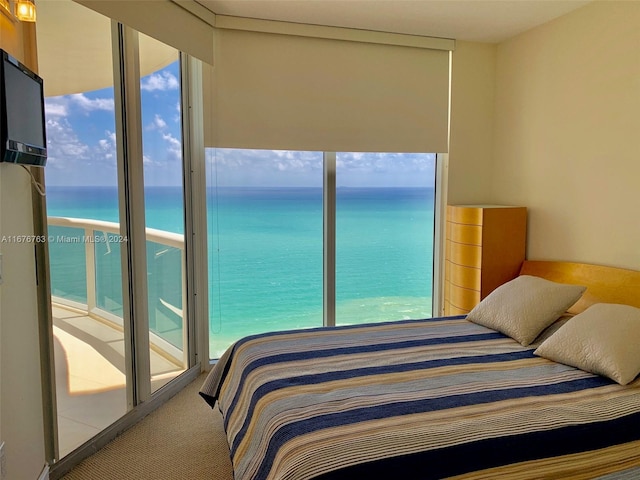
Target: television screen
(23,124)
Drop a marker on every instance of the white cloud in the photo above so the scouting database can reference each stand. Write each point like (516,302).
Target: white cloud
(283,160)
(174,146)
(297,168)
(62,106)
(160,81)
(157,124)
(63,145)
(392,163)
(73,160)
(167,155)
(55,107)
(178,116)
(107,146)
(87,104)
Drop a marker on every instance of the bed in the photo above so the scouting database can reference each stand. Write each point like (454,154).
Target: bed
(448,397)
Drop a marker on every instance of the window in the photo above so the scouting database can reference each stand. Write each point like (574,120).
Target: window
(384,236)
(265,242)
(265,214)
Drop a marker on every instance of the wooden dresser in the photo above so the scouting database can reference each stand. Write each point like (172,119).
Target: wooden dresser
(485,248)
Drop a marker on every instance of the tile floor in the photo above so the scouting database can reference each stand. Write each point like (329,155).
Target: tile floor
(90,376)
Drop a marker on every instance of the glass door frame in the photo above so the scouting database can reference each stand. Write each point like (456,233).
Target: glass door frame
(329,240)
(195,206)
(132,213)
(439,234)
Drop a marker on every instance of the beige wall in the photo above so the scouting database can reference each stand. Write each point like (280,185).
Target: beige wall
(549,120)
(21,417)
(567,134)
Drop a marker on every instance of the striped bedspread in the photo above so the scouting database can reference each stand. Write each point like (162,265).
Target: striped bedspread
(425,399)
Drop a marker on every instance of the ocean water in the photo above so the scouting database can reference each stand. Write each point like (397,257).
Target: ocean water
(265,255)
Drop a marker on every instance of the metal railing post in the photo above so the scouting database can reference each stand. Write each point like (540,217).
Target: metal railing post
(90,266)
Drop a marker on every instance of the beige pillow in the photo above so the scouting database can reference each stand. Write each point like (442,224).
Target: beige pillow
(525,306)
(604,339)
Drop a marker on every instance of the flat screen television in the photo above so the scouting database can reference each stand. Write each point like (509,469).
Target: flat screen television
(22,123)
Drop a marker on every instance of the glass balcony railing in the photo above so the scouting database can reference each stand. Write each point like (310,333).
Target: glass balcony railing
(86,274)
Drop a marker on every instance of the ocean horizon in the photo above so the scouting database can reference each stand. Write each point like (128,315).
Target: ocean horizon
(265,253)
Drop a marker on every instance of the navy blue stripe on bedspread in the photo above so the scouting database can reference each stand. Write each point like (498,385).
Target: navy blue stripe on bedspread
(455,401)
(494,452)
(361,372)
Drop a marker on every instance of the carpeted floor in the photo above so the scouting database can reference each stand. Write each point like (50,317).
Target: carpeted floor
(183,439)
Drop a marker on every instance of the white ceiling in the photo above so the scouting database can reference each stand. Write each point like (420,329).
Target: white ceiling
(84,65)
(489,21)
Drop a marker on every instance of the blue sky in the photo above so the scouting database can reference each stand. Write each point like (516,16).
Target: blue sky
(82,148)
(81,134)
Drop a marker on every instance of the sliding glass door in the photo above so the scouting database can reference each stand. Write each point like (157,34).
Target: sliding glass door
(115,203)
(90,350)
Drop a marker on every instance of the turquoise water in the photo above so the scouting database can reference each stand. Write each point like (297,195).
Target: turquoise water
(265,255)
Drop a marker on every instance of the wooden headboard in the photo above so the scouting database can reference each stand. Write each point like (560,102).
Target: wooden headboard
(604,284)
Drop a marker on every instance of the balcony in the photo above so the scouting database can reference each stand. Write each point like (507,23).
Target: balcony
(86,295)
